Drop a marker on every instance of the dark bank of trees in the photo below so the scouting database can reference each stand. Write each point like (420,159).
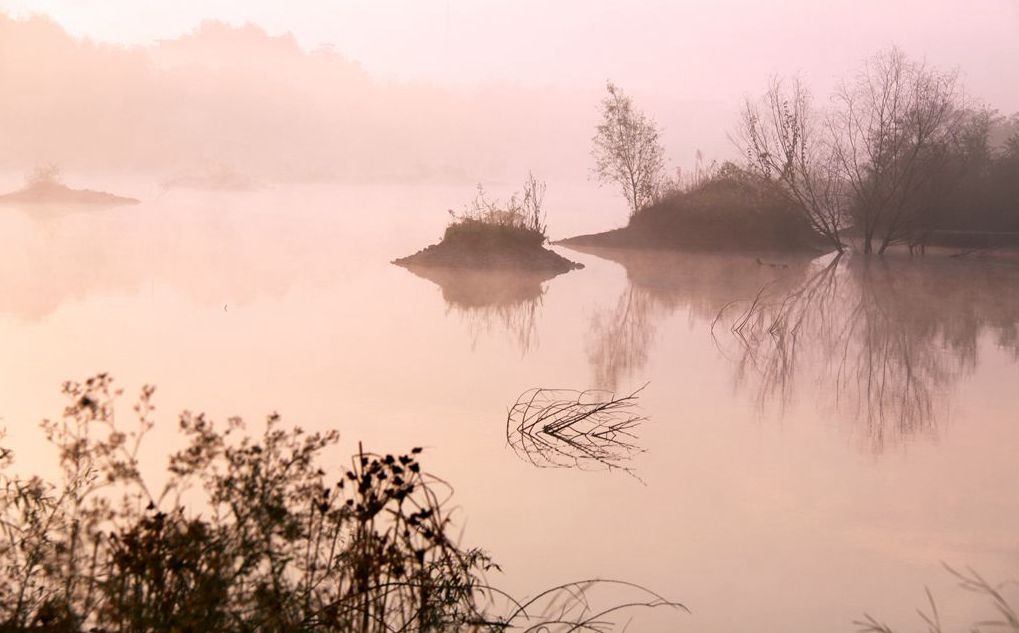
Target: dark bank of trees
(896,156)
(978,189)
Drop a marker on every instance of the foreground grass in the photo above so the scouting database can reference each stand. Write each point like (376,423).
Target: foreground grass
(1002,617)
(248,534)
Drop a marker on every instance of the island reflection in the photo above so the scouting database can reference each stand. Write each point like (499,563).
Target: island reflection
(880,343)
(492,300)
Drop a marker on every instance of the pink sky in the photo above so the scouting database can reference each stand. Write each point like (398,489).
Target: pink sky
(527,77)
(690,50)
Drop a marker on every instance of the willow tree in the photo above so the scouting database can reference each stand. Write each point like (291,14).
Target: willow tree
(628,151)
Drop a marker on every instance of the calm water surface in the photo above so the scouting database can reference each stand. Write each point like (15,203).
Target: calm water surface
(814,450)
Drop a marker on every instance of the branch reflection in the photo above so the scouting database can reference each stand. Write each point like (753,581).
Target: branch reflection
(659,284)
(880,343)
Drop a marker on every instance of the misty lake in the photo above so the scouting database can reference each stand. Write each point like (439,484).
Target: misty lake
(822,435)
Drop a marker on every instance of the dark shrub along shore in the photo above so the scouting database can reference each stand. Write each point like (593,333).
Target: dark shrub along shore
(733,210)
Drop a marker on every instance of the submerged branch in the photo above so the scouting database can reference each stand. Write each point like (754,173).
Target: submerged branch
(565,428)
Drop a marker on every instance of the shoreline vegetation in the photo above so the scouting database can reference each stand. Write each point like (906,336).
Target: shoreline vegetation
(900,158)
(491,235)
(251,533)
(44,186)
(732,210)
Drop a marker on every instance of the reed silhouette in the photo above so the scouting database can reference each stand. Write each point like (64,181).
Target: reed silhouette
(249,533)
(1004,618)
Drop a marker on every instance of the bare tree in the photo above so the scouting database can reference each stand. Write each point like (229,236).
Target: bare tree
(784,139)
(531,204)
(892,119)
(627,150)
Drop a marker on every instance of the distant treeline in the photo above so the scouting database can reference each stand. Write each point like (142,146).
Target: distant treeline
(980,176)
(236,99)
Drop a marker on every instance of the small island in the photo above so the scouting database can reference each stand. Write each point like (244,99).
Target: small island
(492,236)
(732,210)
(44,186)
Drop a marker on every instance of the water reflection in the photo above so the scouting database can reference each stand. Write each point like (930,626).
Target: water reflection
(886,339)
(490,300)
(880,342)
(52,255)
(660,283)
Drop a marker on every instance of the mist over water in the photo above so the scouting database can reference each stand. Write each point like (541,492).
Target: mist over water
(811,435)
(759,488)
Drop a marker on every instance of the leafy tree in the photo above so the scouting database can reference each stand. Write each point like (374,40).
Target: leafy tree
(628,151)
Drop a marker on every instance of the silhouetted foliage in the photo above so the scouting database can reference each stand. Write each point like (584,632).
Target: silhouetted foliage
(522,215)
(248,534)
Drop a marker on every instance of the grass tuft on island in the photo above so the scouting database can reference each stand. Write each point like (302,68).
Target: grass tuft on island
(731,210)
(490,235)
(44,186)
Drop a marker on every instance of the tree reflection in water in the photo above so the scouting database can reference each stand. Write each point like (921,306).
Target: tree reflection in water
(659,283)
(490,300)
(887,338)
(881,341)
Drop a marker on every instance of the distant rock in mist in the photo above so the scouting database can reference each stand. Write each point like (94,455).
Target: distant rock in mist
(44,186)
